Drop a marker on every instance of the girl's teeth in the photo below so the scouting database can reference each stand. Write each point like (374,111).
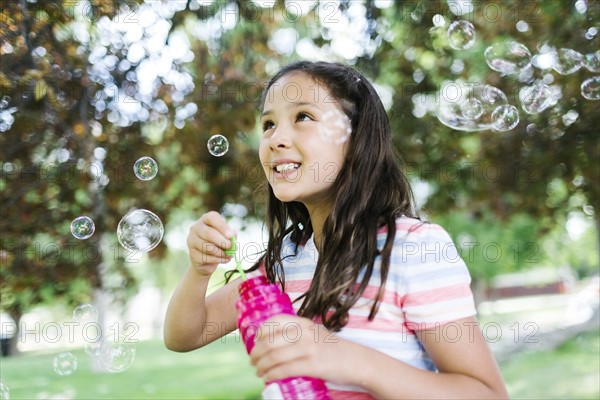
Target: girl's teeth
(286,167)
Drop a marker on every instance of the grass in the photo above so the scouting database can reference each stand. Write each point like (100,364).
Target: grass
(222,371)
(571,371)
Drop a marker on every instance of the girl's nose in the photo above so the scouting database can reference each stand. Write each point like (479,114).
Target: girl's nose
(281,138)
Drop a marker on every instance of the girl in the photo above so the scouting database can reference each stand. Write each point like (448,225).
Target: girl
(384,304)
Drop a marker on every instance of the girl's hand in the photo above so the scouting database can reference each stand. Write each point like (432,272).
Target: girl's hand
(288,345)
(207,241)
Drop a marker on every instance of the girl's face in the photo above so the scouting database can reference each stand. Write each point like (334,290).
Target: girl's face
(300,163)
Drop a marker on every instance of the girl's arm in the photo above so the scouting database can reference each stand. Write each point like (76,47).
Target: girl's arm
(466,366)
(193,319)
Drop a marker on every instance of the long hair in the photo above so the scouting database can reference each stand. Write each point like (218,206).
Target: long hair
(370,192)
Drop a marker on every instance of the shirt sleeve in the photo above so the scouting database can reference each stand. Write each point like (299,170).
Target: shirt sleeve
(435,280)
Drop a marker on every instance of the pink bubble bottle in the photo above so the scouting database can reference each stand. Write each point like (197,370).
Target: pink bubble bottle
(260,300)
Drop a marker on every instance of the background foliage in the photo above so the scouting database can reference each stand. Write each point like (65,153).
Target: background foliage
(88,87)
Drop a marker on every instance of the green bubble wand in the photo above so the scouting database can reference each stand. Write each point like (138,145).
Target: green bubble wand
(233,253)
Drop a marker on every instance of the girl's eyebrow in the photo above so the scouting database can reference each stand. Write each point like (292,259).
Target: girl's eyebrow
(292,104)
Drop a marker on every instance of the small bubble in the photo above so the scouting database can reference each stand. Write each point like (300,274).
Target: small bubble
(536,98)
(581,6)
(64,364)
(522,26)
(507,57)
(567,61)
(460,7)
(461,35)
(335,127)
(471,108)
(588,210)
(92,345)
(590,88)
(4,392)
(570,117)
(505,117)
(116,355)
(145,168)
(82,227)
(591,61)
(140,230)
(85,313)
(218,145)
(438,20)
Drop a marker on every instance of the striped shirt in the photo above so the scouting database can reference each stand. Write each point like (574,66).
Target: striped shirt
(428,284)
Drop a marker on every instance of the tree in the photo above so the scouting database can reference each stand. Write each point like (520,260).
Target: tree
(84,94)
(87,88)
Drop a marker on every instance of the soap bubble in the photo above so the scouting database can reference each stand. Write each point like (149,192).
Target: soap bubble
(461,35)
(82,227)
(335,127)
(92,347)
(507,57)
(590,88)
(544,60)
(4,392)
(145,168)
(505,117)
(570,117)
(567,61)
(537,97)
(140,230)
(451,107)
(116,355)
(591,61)
(85,313)
(218,145)
(460,7)
(471,108)
(64,364)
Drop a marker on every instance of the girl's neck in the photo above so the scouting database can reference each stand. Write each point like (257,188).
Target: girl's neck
(318,215)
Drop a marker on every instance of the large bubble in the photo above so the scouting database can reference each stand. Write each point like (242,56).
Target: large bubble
(590,88)
(478,102)
(140,230)
(217,145)
(64,364)
(507,57)
(116,355)
(145,168)
(82,227)
(461,35)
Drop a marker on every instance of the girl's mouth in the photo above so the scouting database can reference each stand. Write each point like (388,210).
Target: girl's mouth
(286,167)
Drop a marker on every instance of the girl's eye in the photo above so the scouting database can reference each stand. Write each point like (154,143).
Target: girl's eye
(267,125)
(303,117)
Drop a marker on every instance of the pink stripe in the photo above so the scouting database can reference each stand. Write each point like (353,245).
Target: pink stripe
(300,285)
(430,296)
(370,292)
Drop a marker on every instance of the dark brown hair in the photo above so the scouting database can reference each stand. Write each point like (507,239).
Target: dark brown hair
(370,192)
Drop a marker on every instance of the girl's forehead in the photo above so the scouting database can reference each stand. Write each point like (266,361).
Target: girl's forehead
(297,86)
